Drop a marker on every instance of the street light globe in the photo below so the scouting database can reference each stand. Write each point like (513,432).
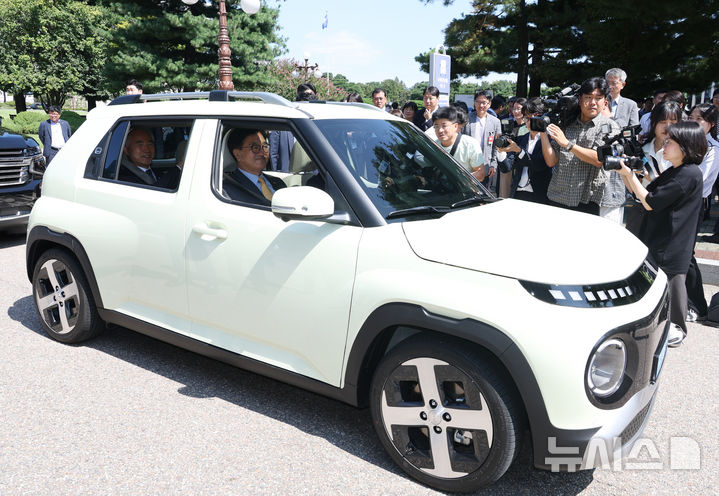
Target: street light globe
(190,2)
(249,6)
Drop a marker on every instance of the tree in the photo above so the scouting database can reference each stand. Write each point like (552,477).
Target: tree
(170,46)
(50,47)
(284,83)
(558,42)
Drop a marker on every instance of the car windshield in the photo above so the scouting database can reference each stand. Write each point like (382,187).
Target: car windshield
(404,174)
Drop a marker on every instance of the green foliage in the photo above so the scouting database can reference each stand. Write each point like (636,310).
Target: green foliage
(284,83)
(558,42)
(169,46)
(73,118)
(50,47)
(25,122)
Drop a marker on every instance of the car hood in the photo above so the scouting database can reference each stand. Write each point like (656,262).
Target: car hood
(530,242)
(9,141)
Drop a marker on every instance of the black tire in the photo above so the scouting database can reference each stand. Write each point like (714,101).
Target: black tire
(445,413)
(63,299)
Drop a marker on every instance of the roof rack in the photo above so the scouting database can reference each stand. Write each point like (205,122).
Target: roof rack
(354,104)
(213,96)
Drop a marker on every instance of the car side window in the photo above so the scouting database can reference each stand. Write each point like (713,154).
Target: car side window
(143,153)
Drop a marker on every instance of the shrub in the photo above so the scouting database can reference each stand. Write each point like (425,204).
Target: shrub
(25,122)
(72,118)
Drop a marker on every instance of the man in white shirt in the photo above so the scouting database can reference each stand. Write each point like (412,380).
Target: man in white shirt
(464,149)
(485,128)
(53,133)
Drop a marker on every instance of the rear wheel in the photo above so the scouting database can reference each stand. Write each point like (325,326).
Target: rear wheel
(63,299)
(445,414)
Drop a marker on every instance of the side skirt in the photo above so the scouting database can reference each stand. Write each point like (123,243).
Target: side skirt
(346,394)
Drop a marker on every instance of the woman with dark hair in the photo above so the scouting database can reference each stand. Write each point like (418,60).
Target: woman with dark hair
(520,124)
(353,96)
(673,202)
(528,167)
(663,115)
(408,110)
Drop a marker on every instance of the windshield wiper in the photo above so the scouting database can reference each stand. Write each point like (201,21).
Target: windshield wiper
(479,199)
(422,209)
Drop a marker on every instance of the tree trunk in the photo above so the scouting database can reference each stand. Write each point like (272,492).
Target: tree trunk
(91,102)
(535,82)
(19,102)
(523,53)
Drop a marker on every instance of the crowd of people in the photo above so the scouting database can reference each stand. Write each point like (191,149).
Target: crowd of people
(670,192)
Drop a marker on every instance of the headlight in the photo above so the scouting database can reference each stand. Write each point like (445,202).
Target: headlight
(606,368)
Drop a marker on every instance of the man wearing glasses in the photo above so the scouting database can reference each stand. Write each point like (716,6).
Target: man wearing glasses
(578,182)
(485,127)
(248,183)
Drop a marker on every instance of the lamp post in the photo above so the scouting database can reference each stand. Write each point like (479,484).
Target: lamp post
(306,68)
(223,40)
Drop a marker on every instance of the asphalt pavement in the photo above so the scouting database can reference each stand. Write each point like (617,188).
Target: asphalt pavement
(125,414)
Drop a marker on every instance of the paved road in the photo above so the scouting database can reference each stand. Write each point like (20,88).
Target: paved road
(125,414)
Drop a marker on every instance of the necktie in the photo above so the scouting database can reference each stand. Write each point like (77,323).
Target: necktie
(265,190)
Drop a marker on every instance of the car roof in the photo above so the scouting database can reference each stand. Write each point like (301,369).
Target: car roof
(246,104)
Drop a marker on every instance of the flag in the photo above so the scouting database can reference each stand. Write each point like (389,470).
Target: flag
(324,21)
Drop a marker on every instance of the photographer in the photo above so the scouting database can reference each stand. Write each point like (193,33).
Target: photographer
(526,157)
(673,202)
(663,115)
(578,181)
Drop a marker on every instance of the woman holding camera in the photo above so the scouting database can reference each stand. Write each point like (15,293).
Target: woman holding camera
(673,202)
(663,115)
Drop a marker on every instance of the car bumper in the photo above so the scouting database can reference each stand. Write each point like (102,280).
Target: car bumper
(16,203)
(608,445)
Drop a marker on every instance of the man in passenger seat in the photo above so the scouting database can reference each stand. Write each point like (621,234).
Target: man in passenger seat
(137,158)
(248,183)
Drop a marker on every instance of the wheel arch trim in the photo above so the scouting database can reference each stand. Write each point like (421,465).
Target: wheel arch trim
(375,334)
(41,238)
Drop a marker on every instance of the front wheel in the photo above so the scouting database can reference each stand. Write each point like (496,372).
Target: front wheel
(63,299)
(445,413)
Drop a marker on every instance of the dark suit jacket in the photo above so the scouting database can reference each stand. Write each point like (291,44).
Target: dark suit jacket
(170,179)
(239,188)
(281,143)
(539,173)
(419,121)
(46,135)
(131,173)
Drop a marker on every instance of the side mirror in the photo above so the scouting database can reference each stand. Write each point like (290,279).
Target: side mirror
(302,203)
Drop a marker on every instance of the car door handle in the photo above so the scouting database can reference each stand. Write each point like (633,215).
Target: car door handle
(208,233)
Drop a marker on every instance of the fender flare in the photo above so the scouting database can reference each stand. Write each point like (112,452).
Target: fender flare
(41,238)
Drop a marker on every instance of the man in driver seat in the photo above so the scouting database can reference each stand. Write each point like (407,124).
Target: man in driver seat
(248,183)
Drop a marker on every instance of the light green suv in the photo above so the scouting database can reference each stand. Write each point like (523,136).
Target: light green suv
(366,265)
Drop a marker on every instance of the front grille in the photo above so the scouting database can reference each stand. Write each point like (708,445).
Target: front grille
(633,427)
(14,167)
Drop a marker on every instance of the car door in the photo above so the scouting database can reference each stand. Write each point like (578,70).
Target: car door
(135,235)
(275,291)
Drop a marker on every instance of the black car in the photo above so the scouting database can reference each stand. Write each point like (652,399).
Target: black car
(21,167)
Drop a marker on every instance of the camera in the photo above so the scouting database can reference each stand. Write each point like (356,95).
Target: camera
(502,141)
(563,106)
(539,124)
(623,143)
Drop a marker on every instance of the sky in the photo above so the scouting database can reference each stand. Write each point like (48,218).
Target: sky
(370,40)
